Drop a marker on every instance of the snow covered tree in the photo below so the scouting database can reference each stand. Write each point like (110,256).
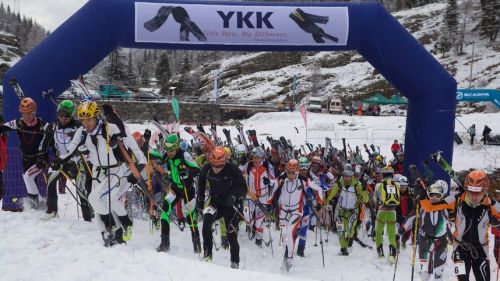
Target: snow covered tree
(162,73)
(490,19)
(450,28)
(116,70)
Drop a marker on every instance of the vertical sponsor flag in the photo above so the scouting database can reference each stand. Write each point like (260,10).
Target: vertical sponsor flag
(175,108)
(303,112)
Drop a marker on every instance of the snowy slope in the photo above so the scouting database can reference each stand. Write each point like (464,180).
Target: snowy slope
(346,74)
(9,50)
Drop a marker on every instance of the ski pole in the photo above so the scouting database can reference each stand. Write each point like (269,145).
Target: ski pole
(395,266)
(109,173)
(47,94)
(321,243)
(414,246)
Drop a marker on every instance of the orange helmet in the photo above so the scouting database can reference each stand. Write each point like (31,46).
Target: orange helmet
(477,181)
(217,157)
(27,105)
(137,136)
(316,160)
(292,166)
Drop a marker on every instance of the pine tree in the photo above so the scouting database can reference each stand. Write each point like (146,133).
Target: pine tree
(131,76)
(450,28)
(162,73)
(186,79)
(490,20)
(115,70)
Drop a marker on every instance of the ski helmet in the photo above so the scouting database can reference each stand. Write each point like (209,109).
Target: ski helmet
(171,142)
(27,105)
(66,106)
(476,181)
(401,180)
(292,166)
(387,171)
(228,152)
(379,158)
(87,110)
(217,157)
(347,172)
(304,163)
(258,152)
(316,160)
(240,150)
(437,190)
(184,145)
(137,136)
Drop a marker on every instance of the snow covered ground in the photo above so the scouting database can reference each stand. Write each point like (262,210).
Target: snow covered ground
(70,249)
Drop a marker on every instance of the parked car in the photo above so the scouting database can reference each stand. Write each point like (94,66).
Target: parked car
(314,104)
(147,96)
(335,106)
(108,91)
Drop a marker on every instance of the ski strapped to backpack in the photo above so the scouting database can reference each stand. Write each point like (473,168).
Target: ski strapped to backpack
(447,168)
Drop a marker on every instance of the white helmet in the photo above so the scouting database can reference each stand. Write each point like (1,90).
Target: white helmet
(400,179)
(240,149)
(439,189)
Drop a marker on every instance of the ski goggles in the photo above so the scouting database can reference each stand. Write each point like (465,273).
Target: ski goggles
(474,188)
(435,195)
(171,146)
(62,114)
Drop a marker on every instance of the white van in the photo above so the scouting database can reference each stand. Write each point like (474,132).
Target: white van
(314,104)
(335,106)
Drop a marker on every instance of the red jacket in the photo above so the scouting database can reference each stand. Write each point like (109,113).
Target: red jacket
(395,147)
(3,152)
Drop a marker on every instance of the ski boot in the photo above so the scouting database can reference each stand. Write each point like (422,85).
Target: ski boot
(224,242)
(118,236)
(49,214)
(344,252)
(31,201)
(258,242)
(109,238)
(127,233)
(235,265)
(300,250)
(165,237)
(380,251)
(207,257)
(392,254)
(287,264)
(196,245)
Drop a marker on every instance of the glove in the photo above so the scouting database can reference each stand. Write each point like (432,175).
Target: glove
(131,179)
(147,135)
(266,181)
(229,201)
(108,111)
(56,164)
(41,163)
(183,174)
(270,208)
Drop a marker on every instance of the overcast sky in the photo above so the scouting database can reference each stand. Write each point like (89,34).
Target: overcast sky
(49,13)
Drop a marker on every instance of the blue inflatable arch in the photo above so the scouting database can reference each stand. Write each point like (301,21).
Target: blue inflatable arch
(102,25)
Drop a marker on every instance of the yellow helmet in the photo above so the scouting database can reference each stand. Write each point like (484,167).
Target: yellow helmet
(379,158)
(88,109)
(228,152)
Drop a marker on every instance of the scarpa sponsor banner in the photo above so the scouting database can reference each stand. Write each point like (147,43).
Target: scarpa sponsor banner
(240,25)
(479,95)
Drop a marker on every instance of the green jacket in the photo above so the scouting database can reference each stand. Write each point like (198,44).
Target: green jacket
(350,194)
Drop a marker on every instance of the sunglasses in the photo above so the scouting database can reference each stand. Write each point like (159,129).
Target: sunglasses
(435,196)
(64,115)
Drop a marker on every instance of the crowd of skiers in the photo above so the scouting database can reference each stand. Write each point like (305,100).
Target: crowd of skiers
(244,184)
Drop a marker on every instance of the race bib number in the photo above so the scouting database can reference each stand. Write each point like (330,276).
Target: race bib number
(459,268)
(424,266)
(391,189)
(170,197)
(340,225)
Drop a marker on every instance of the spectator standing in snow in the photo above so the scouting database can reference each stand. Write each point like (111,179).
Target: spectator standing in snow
(472,133)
